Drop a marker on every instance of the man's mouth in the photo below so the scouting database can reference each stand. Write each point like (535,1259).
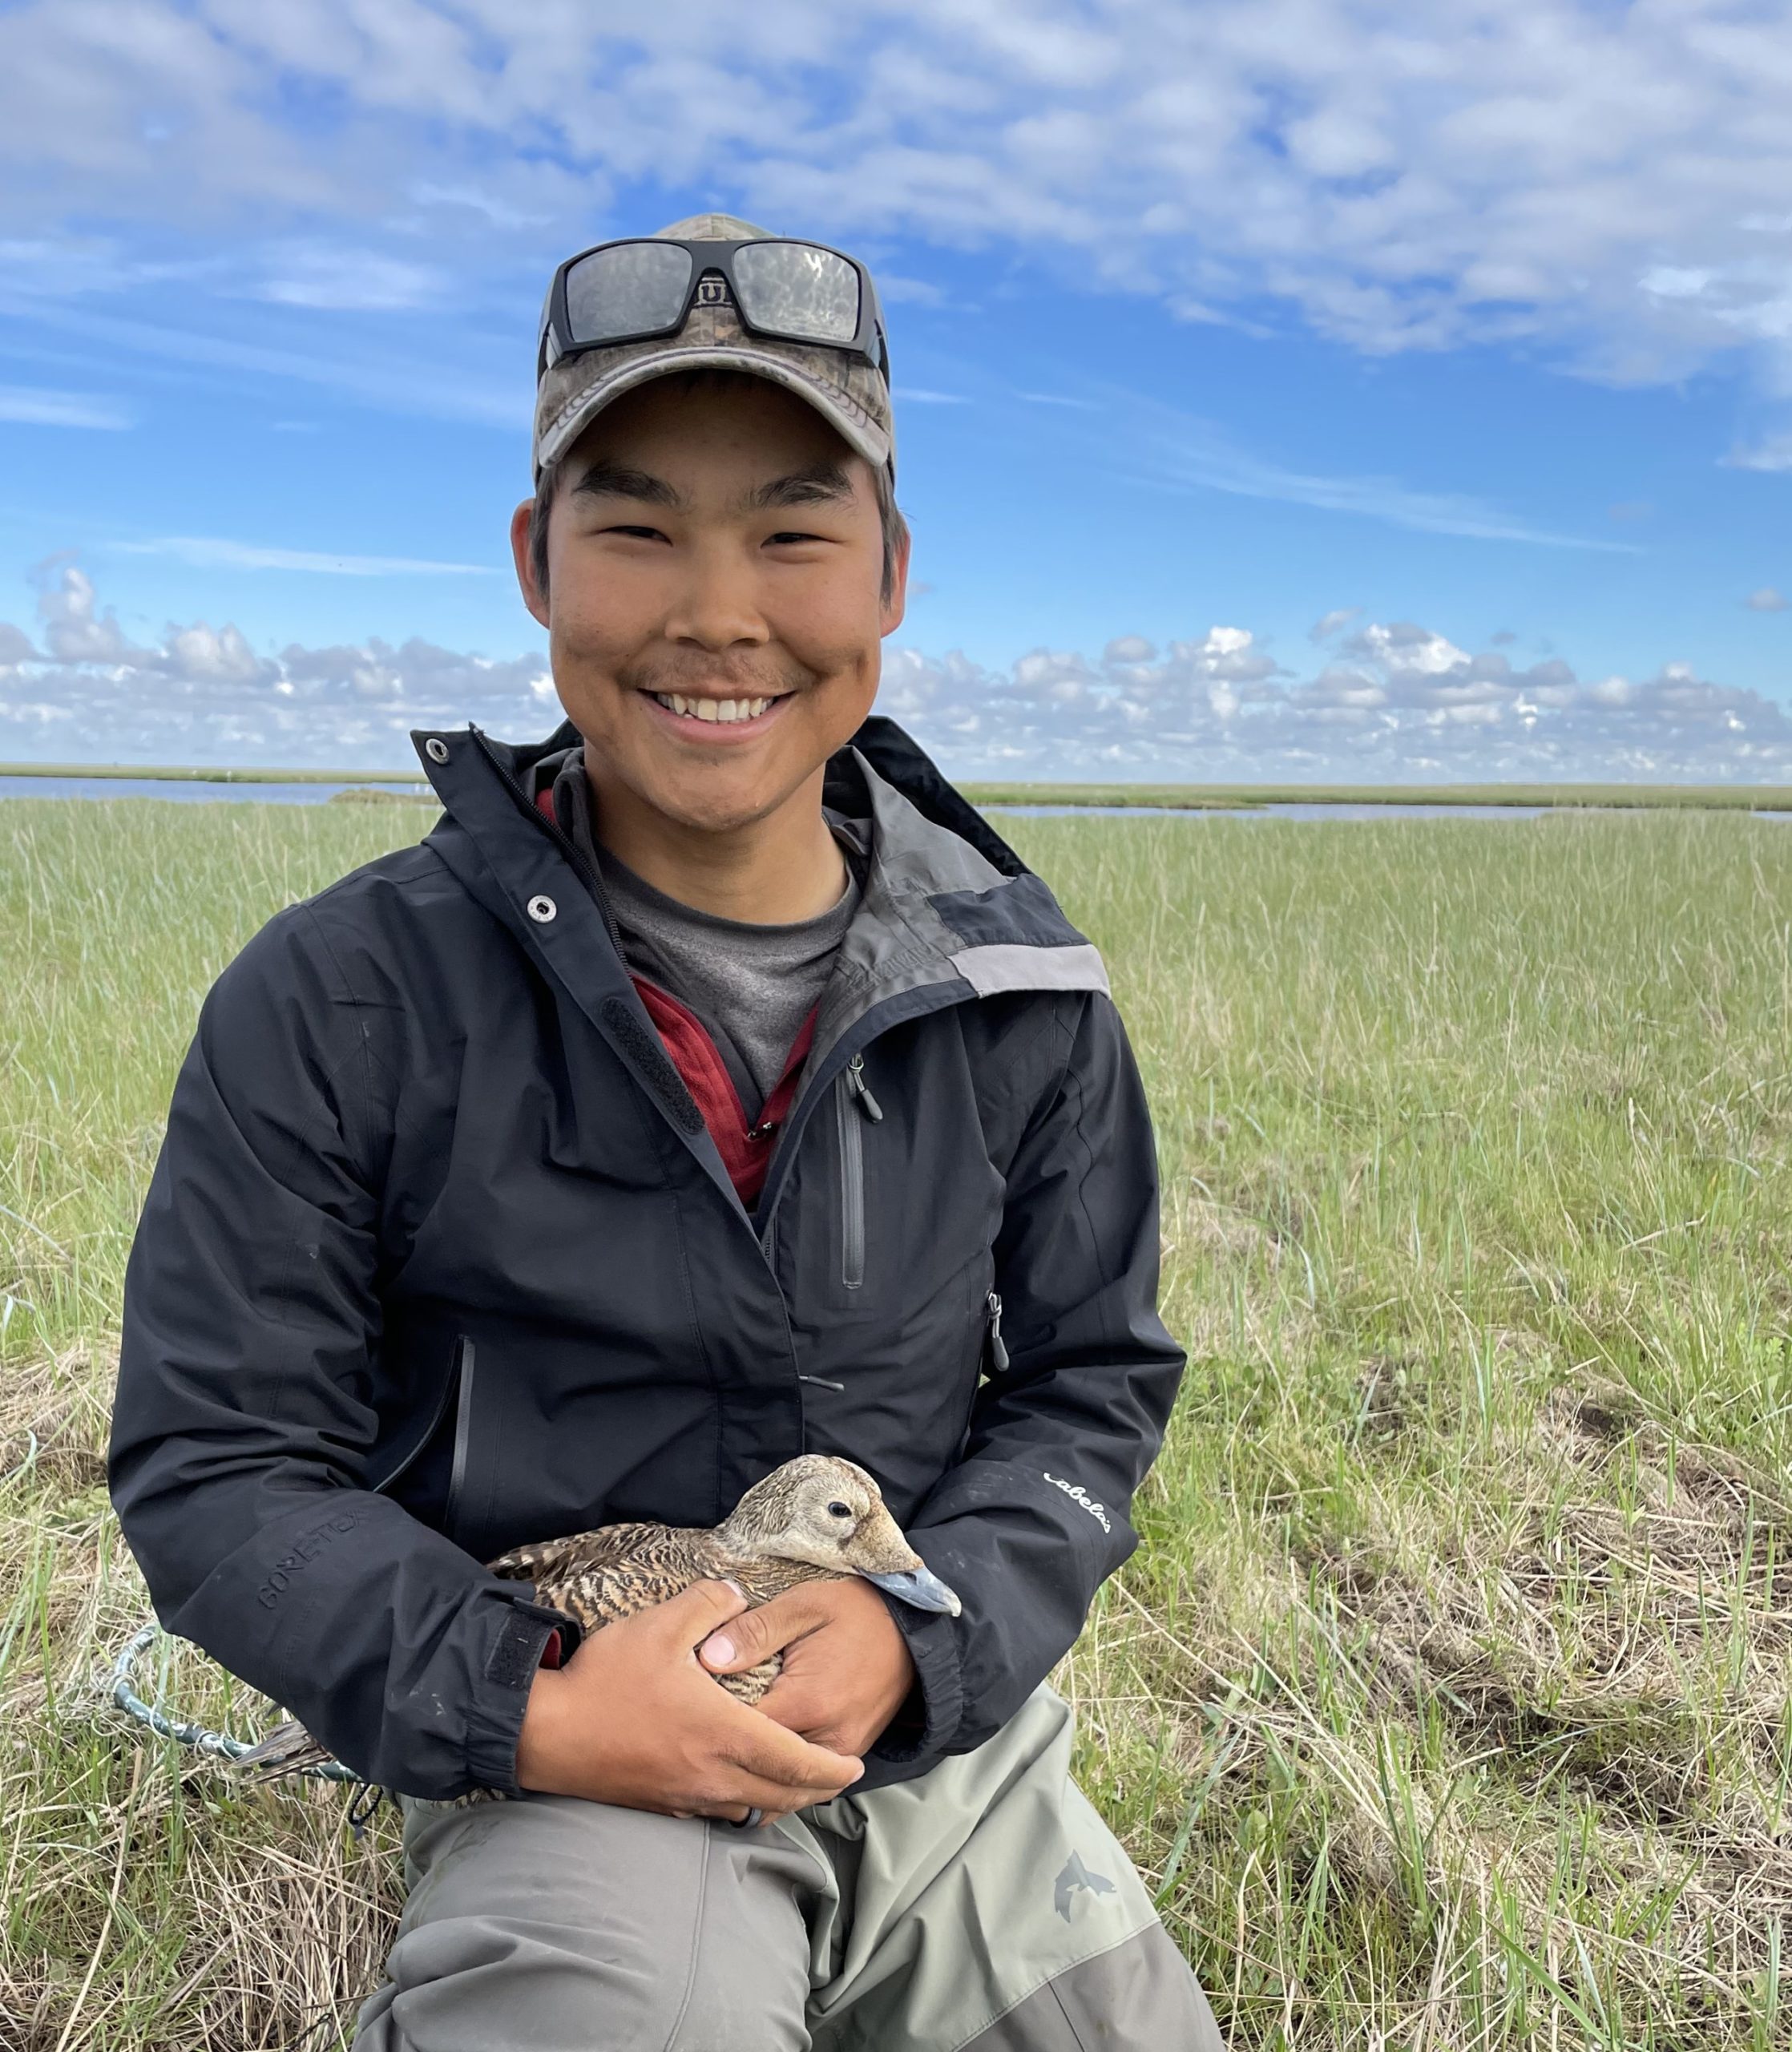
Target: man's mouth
(715,712)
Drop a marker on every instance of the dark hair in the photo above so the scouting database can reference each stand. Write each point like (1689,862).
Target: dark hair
(883,487)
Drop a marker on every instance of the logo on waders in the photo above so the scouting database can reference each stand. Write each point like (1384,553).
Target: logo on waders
(1076,1876)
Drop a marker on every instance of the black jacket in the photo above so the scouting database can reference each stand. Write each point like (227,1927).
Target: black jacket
(439,1256)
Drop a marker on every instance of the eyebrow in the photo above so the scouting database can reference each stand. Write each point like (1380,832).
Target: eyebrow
(814,485)
(604,479)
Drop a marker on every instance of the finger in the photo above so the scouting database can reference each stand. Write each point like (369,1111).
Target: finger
(733,1792)
(757,1634)
(694,1612)
(772,1754)
(757,1816)
(800,1706)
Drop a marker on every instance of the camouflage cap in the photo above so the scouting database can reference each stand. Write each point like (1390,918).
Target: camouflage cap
(843,388)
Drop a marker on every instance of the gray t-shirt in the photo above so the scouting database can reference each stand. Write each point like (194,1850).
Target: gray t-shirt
(752,986)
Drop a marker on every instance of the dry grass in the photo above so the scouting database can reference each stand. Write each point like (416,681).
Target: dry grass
(1449,1700)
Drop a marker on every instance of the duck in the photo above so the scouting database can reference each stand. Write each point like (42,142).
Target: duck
(816,1518)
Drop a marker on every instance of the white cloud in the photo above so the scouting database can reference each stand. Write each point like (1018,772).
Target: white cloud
(1329,623)
(1402,649)
(32,407)
(1177,451)
(201,694)
(205,553)
(74,630)
(411,383)
(345,279)
(1773,452)
(1402,702)
(1396,701)
(1608,181)
(427,193)
(1767,599)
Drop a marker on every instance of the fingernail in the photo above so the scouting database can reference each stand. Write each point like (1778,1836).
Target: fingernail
(718,1650)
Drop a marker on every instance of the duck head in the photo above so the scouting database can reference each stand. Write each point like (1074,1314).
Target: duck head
(829,1514)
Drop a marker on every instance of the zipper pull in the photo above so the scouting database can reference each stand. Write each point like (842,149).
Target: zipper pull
(998,1353)
(861,1090)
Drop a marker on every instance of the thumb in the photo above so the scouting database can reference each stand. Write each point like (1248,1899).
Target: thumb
(694,1612)
(762,1632)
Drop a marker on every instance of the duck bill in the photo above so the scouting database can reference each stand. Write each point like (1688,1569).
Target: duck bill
(920,1587)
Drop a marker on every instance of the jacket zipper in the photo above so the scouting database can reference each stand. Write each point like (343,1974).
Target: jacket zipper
(393,1476)
(853,1104)
(463,1422)
(998,1352)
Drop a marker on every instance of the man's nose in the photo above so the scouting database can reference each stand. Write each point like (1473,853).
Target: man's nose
(717,606)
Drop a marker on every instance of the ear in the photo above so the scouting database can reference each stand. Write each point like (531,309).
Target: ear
(890,615)
(534,597)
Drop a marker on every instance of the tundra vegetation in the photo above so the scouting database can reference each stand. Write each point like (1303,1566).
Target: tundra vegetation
(1446,1702)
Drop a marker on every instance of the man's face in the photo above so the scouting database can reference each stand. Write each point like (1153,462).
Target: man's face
(713,602)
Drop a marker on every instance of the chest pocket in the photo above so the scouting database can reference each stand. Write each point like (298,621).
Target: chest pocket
(895,1196)
(854,1108)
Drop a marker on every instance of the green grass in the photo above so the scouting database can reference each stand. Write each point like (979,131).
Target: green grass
(1449,1701)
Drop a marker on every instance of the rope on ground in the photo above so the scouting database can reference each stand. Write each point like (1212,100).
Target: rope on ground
(197,1738)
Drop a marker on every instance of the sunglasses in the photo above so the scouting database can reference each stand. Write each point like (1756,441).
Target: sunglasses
(630,292)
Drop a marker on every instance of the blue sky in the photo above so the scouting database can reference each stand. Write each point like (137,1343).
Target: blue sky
(1285,388)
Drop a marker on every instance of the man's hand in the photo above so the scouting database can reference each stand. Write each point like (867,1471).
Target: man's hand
(632,1719)
(846,1669)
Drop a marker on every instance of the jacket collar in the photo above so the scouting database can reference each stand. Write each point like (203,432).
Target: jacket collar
(948,913)
(946,901)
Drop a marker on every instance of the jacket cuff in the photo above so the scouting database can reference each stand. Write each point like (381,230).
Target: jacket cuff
(926,1724)
(495,1723)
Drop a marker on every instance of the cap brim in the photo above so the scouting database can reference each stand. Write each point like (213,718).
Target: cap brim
(861,433)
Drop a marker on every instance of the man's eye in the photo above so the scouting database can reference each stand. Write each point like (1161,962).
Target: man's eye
(791,535)
(637,533)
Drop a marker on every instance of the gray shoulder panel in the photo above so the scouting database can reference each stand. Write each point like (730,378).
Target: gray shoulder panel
(1013,966)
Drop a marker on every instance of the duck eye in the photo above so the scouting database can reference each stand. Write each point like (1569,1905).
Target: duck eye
(839,1510)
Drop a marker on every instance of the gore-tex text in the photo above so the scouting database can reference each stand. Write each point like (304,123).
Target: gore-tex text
(306,1548)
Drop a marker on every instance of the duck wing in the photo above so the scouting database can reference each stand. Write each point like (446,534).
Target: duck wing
(560,1558)
(614,1572)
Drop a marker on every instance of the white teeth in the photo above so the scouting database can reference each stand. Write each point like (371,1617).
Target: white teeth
(715,711)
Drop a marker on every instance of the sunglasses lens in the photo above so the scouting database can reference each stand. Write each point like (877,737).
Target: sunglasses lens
(793,289)
(629,290)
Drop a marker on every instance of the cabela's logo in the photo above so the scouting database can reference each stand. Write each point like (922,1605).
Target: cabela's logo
(1078,1494)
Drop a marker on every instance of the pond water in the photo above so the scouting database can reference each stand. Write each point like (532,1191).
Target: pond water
(184,791)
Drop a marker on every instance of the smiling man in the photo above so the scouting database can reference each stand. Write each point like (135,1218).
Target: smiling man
(711,1085)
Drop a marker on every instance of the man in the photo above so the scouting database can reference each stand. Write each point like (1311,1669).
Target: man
(712,1084)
